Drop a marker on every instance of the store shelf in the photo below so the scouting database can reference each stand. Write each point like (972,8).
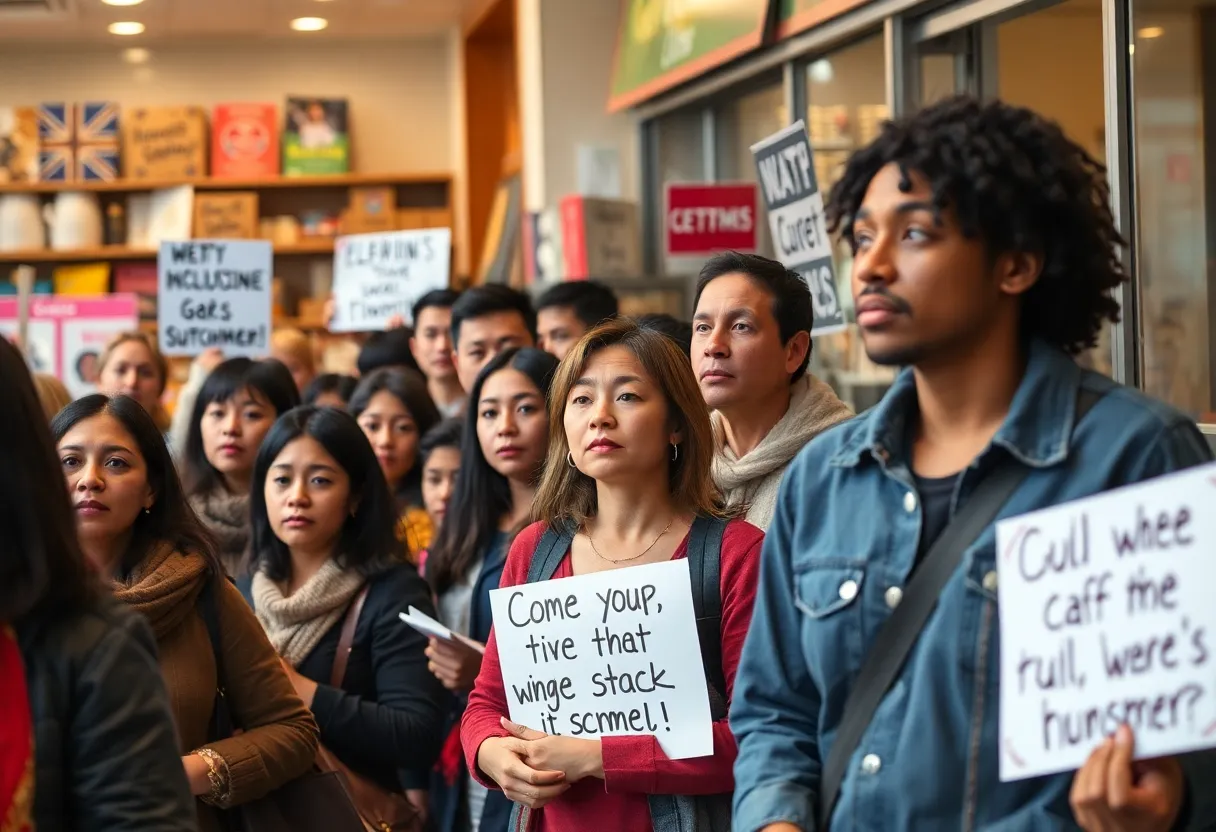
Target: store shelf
(82,255)
(345,180)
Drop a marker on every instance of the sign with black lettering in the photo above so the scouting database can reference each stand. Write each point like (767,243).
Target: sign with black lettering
(214,293)
(1106,618)
(795,214)
(381,276)
(609,654)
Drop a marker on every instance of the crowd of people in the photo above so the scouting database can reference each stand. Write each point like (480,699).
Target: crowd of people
(209,610)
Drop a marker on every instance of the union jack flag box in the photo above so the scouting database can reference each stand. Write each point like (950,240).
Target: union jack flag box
(79,141)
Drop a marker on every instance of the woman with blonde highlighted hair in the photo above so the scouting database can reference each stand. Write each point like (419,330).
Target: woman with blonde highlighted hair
(132,366)
(52,395)
(627,483)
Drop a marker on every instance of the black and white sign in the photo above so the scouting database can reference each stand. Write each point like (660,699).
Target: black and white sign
(214,293)
(381,276)
(795,214)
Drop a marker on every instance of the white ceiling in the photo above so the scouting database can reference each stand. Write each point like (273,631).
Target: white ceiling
(66,21)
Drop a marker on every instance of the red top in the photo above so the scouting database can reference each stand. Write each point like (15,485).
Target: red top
(634,767)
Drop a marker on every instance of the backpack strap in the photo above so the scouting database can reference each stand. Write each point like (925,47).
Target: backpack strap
(346,638)
(549,551)
(705,572)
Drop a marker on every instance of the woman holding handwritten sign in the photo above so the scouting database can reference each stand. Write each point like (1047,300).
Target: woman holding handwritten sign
(627,480)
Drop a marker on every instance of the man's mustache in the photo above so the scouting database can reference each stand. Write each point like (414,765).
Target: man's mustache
(898,303)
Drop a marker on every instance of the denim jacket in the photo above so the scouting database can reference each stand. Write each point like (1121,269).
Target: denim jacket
(841,547)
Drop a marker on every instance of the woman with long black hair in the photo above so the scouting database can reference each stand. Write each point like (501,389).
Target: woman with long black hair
(506,433)
(78,673)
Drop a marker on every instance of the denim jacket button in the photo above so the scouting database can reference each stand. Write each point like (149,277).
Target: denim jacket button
(989,581)
(848,590)
(910,502)
(871,764)
(893,596)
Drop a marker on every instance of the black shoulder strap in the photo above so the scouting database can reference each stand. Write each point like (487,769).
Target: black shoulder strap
(221,726)
(549,551)
(705,572)
(895,639)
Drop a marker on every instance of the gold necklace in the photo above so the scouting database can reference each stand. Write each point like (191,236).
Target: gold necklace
(635,557)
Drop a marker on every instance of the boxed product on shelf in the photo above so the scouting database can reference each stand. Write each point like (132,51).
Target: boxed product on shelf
(316,137)
(79,142)
(371,209)
(601,238)
(18,144)
(164,143)
(226,215)
(244,141)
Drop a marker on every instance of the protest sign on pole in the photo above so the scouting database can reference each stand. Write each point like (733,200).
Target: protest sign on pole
(609,654)
(214,293)
(380,276)
(1106,617)
(795,213)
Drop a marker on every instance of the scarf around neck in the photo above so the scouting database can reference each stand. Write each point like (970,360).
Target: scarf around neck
(296,623)
(226,516)
(16,739)
(164,588)
(813,409)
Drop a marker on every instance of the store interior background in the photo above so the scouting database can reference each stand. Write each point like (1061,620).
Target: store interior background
(480,90)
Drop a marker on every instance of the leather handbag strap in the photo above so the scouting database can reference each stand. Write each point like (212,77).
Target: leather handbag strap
(347,638)
(887,655)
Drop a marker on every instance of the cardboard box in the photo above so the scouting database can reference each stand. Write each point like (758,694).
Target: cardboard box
(355,223)
(19,144)
(410,219)
(601,238)
(231,215)
(373,200)
(164,143)
(79,142)
(244,141)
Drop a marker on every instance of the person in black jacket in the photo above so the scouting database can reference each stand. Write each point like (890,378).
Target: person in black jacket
(324,541)
(87,741)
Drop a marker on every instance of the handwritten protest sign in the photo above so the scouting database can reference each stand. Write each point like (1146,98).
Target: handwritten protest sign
(609,654)
(379,276)
(1106,617)
(786,167)
(214,293)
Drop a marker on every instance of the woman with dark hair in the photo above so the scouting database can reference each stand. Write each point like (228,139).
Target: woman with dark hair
(627,483)
(235,408)
(506,432)
(78,674)
(330,390)
(394,409)
(137,529)
(439,453)
(325,552)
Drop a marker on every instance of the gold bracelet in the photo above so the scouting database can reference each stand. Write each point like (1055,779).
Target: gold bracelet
(217,776)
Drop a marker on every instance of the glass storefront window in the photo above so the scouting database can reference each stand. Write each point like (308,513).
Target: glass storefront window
(681,151)
(846,105)
(740,123)
(1174,99)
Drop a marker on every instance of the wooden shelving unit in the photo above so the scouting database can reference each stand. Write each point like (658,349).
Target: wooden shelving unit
(345,180)
(123,253)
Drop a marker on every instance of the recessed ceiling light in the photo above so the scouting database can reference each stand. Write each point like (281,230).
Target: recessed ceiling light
(309,24)
(136,55)
(1150,32)
(127,27)
(122,2)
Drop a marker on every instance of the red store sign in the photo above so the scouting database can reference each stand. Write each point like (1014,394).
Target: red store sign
(702,219)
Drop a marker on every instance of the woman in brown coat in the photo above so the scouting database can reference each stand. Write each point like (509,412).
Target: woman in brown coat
(135,526)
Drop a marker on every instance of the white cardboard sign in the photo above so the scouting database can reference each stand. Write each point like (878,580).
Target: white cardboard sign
(1106,617)
(214,293)
(609,654)
(379,276)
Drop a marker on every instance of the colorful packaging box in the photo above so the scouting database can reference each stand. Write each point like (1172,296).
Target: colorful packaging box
(316,137)
(79,142)
(244,141)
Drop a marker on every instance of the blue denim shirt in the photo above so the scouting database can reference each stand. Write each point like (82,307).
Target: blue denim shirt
(841,547)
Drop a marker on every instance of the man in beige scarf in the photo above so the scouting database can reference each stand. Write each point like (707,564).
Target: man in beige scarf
(751,343)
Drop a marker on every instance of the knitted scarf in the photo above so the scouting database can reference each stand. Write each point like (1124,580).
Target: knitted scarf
(226,516)
(16,740)
(164,588)
(753,480)
(296,623)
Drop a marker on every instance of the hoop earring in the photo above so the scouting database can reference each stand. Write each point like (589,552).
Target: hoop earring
(570,459)
(675,452)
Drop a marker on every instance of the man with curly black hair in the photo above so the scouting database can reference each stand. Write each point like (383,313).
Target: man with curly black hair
(985,259)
